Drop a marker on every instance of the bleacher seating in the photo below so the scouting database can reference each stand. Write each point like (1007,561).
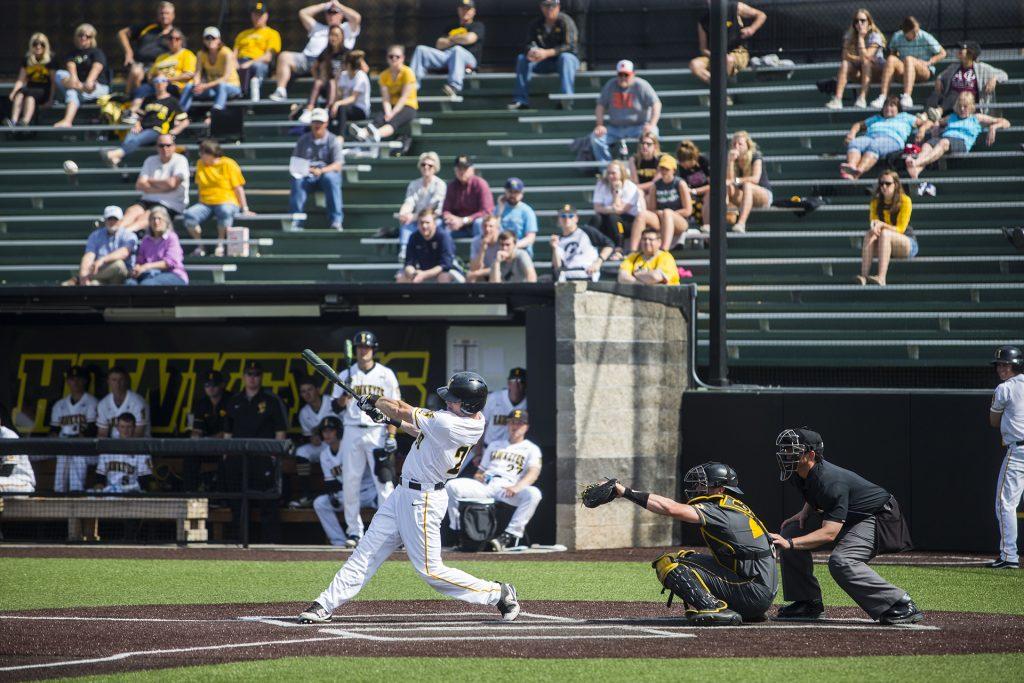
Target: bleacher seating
(791,297)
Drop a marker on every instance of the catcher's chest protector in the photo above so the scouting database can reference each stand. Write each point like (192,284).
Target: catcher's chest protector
(738,536)
(479,525)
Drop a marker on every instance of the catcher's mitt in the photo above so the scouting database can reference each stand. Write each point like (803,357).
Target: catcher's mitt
(595,495)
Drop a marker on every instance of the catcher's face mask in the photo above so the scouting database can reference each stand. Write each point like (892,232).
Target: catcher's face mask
(695,483)
(789,450)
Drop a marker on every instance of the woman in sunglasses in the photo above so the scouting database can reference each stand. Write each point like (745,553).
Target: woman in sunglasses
(425,192)
(398,99)
(889,234)
(217,76)
(863,58)
(85,75)
(34,87)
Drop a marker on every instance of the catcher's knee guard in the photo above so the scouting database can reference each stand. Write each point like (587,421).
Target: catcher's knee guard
(683,580)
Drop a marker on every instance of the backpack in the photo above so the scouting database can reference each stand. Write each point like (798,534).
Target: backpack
(479,524)
(1016,237)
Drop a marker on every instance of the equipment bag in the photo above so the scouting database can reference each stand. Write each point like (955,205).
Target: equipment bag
(479,524)
(892,535)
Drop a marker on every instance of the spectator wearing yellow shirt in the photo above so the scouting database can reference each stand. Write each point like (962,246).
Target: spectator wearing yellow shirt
(178,65)
(889,234)
(217,78)
(255,49)
(221,194)
(398,99)
(651,265)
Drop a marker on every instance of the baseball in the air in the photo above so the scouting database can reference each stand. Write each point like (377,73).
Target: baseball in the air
(70,167)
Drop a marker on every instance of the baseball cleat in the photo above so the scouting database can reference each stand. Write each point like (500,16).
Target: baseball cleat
(801,610)
(722,617)
(504,541)
(508,603)
(1002,564)
(903,612)
(315,614)
(352,541)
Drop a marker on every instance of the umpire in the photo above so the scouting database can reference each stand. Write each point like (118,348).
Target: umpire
(860,517)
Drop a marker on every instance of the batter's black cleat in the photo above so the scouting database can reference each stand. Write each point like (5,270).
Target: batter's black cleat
(721,617)
(504,542)
(508,603)
(801,610)
(315,614)
(1003,564)
(903,612)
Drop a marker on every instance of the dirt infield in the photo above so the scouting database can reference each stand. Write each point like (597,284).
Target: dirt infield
(72,642)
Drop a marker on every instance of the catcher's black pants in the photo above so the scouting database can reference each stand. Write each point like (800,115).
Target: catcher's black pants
(749,597)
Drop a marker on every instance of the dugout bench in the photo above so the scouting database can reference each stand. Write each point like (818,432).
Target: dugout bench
(190,514)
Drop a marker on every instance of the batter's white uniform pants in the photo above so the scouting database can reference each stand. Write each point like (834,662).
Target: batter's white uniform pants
(467,488)
(328,514)
(357,446)
(413,518)
(70,472)
(1008,494)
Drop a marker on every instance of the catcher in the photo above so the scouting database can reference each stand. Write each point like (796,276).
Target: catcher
(738,580)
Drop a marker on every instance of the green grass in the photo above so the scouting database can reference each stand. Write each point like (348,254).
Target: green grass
(882,669)
(31,583)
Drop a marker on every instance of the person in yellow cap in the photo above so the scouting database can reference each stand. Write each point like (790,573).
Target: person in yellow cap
(670,205)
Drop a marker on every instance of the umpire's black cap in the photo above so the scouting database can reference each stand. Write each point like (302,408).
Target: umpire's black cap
(810,438)
(1011,355)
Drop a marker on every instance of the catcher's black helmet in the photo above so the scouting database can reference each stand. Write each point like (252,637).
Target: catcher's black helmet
(702,478)
(1011,355)
(793,443)
(365,338)
(468,387)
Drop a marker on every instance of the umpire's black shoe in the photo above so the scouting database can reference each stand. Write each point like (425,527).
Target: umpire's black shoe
(1003,564)
(315,614)
(903,612)
(801,610)
(721,617)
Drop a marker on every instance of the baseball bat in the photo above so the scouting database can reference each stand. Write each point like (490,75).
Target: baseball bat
(327,371)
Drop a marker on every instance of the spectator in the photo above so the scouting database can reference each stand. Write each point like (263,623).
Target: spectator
(316,160)
(328,504)
(217,78)
(160,261)
(651,265)
(431,254)
(425,193)
(208,420)
(890,234)
(72,417)
(742,22)
(969,75)
(696,171)
(552,43)
(109,253)
(316,407)
(142,44)
(632,107)
(863,57)
(511,264)
(163,181)
(670,206)
(618,203)
(643,166)
(913,54)
(161,114)
(467,200)
(120,399)
(120,472)
(517,216)
(301,63)
(352,93)
(960,130)
(574,254)
(748,179)
(457,52)
(484,250)
(35,84)
(85,75)
(255,49)
(397,99)
(16,475)
(177,65)
(325,70)
(884,134)
(221,194)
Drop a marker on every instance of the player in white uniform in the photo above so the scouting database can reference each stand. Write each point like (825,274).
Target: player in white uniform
(72,417)
(121,399)
(501,403)
(16,475)
(316,408)
(506,473)
(362,435)
(413,514)
(328,505)
(1007,413)
(121,472)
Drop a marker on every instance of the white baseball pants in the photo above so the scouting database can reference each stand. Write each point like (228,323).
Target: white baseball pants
(357,446)
(308,452)
(328,514)
(70,472)
(467,488)
(413,518)
(1008,495)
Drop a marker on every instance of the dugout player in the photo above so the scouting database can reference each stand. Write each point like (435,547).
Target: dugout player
(72,417)
(738,580)
(16,475)
(1007,414)
(207,421)
(121,472)
(855,514)
(329,504)
(501,403)
(315,408)
(120,399)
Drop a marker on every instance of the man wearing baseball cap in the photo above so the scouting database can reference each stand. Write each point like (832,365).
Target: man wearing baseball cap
(321,151)
(301,63)
(109,253)
(456,52)
(255,49)
(632,108)
(517,216)
(467,200)
(551,46)
(575,252)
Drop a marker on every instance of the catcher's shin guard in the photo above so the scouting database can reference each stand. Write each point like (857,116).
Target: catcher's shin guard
(682,580)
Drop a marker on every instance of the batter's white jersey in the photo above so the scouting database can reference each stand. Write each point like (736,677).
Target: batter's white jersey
(440,450)
(20,478)
(123,471)
(69,417)
(379,381)
(1009,400)
(499,405)
(309,419)
(109,411)
(509,462)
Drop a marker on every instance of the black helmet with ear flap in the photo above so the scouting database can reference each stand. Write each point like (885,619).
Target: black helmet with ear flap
(467,387)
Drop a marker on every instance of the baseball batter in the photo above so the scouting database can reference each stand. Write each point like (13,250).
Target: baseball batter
(362,435)
(332,463)
(74,416)
(413,514)
(121,399)
(121,472)
(1007,414)
(316,407)
(501,403)
(16,475)
(507,473)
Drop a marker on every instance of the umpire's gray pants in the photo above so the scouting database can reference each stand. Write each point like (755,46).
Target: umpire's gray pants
(748,597)
(847,564)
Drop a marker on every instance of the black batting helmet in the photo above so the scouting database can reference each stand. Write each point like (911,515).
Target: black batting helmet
(365,338)
(793,443)
(467,387)
(1011,355)
(330,422)
(700,479)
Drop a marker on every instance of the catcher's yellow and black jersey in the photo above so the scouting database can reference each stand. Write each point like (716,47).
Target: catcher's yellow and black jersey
(161,114)
(737,538)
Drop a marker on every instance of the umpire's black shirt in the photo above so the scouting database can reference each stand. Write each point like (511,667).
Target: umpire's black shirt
(209,419)
(840,495)
(258,417)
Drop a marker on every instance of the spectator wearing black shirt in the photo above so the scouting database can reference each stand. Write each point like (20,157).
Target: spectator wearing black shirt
(552,44)
(34,86)
(430,254)
(743,21)
(325,71)
(456,52)
(85,75)
(143,43)
(160,114)
(695,170)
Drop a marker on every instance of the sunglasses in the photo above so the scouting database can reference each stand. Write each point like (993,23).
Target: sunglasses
(395,56)
(165,144)
(886,182)
(426,164)
(86,35)
(623,75)
(861,20)
(208,38)
(567,215)
(647,143)
(38,43)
